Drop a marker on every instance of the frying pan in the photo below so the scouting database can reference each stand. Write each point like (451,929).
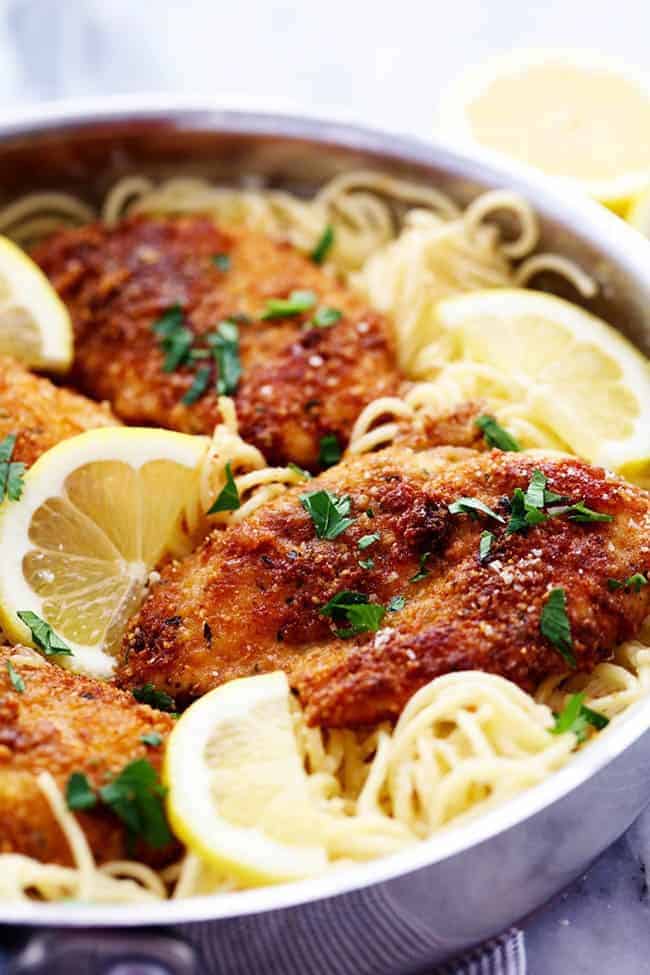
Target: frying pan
(424,905)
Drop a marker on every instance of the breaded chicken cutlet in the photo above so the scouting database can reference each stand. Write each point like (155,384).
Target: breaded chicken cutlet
(403,532)
(63,723)
(304,375)
(42,414)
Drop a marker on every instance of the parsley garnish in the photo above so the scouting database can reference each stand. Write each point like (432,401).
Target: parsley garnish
(295,304)
(356,609)
(305,475)
(222,261)
(79,793)
(175,339)
(11,472)
(199,384)
(470,506)
(555,626)
(580,512)
(225,347)
(633,582)
(329,450)
(395,604)
(325,318)
(228,497)
(536,490)
(328,511)
(495,435)
(484,545)
(17,682)
(523,514)
(147,694)
(422,572)
(151,738)
(323,246)
(367,563)
(44,637)
(367,540)
(575,717)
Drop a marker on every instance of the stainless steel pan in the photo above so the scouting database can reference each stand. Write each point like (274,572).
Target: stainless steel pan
(453,891)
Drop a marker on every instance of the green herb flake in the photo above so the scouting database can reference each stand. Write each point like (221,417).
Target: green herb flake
(523,515)
(228,498)
(356,609)
(325,318)
(11,472)
(329,450)
(366,540)
(495,435)
(554,625)
(174,338)
(151,738)
(45,639)
(634,582)
(198,387)
(222,261)
(79,793)
(422,572)
(536,489)
(305,475)
(147,694)
(136,797)
(17,682)
(472,507)
(295,304)
(395,604)
(323,246)
(329,513)
(367,563)
(484,545)
(225,348)
(581,513)
(576,717)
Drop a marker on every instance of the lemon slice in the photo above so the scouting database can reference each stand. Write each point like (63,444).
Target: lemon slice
(34,323)
(572,114)
(573,373)
(97,513)
(238,793)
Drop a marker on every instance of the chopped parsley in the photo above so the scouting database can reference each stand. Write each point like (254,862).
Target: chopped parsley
(225,348)
(422,572)
(395,604)
(329,513)
(222,261)
(367,563)
(151,738)
(147,694)
(495,435)
(324,245)
(536,490)
(633,582)
(484,545)
(79,793)
(175,338)
(199,384)
(575,717)
(366,540)
(228,497)
(17,682)
(523,515)
(554,625)
(354,608)
(329,450)
(580,512)
(295,304)
(45,639)
(11,472)
(471,507)
(305,475)
(325,318)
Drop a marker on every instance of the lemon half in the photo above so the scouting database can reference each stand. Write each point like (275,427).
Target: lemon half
(572,114)
(34,323)
(97,513)
(238,793)
(573,373)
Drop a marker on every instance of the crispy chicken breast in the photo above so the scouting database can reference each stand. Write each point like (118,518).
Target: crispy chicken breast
(42,414)
(63,723)
(251,599)
(298,383)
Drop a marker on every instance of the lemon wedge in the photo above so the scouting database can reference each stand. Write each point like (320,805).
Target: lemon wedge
(639,213)
(573,373)
(97,513)
(572,114)
(238,793)
(34,323)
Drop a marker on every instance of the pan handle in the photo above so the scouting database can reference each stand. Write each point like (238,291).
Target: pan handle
(104,952)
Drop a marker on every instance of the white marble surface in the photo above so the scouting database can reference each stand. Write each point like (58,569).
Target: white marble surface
(383,62)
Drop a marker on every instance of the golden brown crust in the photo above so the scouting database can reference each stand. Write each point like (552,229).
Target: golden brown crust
(42,414)
(297,384)
(64,723)
(248,600)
